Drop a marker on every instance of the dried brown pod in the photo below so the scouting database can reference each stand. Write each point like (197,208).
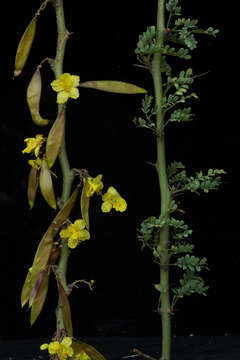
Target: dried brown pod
(33,180)
(46,185)
(54,139)
(33,98)
(113,86)
(24,46)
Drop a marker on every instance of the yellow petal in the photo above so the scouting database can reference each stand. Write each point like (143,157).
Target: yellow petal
(79,224)
(75,80)
(62,97)
(106,206)
(56,86)
(72,243)
(74,93)
(65,233)
(54,347)
(43,346)
(84,235)
(67,341)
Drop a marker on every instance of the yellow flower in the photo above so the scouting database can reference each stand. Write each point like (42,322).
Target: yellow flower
(66,86)
(34,144)
(36,164)
(112,199)
(54,347)
(63,350)
(94,185)
(82,355)
(75,233)
(66,349)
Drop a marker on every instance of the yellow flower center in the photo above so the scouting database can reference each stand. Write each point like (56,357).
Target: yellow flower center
(66,82)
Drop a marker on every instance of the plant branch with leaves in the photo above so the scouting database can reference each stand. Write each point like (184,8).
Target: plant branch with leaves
(167,235)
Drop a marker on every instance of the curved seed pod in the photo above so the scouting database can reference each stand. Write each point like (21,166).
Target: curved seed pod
(54,139)
(33,180)
(33,99)
(46,185)
(113,86)
(24,46)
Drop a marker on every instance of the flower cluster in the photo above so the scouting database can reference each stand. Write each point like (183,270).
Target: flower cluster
(64,350)
(66,87)
(33,145)
(75,233)
(111,199)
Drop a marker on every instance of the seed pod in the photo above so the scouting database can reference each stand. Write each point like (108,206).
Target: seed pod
(40,294)
(24,46)
(84,203)
(33,181)
(80,347)
(46,185)
(113,86)
(33,99)
(54,139)
(67,318)
(26,289)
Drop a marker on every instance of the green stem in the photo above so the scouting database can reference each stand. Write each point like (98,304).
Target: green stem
(164,303)
(63,158)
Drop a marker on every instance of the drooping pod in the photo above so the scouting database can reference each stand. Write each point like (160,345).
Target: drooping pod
(33,98)
(33,180)
(24,46)
(46,185)
(54,139)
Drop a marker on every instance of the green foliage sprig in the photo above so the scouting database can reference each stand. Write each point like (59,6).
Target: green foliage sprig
(168,236)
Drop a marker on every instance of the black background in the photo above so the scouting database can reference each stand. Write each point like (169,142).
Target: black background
(102,138)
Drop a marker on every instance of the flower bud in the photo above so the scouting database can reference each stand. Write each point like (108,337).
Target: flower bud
(33,99)
(24,46)
(46,185)
(54,139)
